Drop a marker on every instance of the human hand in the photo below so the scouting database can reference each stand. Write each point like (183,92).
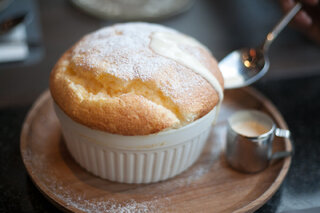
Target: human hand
(308,19)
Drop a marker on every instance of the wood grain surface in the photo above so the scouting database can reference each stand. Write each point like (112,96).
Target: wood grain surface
(210,185)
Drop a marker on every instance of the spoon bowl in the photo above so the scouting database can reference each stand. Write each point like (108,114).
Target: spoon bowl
(243,67)
(247,65)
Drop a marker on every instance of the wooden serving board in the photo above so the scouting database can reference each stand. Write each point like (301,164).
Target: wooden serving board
(210,185)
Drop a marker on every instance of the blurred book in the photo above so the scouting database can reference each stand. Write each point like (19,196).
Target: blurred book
(13,45)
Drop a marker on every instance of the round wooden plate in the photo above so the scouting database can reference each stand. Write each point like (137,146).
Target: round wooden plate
(208,186)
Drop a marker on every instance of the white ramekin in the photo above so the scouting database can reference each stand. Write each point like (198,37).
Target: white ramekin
(136,159)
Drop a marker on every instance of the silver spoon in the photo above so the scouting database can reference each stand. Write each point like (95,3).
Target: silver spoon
(245,66)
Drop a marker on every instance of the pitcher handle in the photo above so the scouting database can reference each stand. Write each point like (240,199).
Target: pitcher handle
(282,133)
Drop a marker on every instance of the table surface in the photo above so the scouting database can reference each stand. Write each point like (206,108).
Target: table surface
(292,84)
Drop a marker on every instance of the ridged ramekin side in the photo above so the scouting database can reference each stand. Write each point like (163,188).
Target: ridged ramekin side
(134,166)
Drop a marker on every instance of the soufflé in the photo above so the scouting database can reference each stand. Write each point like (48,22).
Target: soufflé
(136,101)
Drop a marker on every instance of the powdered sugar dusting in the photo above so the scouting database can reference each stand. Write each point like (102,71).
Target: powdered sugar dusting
(73,198)
(112,206)
(123,51)
(167,44)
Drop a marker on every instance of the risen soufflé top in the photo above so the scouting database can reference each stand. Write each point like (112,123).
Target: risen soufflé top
(112,80)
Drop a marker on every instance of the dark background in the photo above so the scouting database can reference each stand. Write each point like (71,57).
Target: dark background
(293,85)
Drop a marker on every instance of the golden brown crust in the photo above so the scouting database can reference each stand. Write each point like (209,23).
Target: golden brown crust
(130,91)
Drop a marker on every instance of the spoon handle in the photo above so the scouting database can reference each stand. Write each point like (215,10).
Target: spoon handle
(280,26)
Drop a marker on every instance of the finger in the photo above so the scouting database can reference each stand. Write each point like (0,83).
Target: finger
(314,33)
(310,2)
(287,4)
(302,20)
